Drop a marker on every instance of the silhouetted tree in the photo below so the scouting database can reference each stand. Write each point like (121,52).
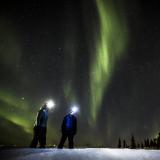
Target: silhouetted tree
(145,144)
(133,144)
(142,146)
(119,143)
(138,145)
(154,143)
(151,143)
(148,145)
(124,144)
(158,141)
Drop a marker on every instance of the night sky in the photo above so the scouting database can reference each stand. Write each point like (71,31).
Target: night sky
(102,55)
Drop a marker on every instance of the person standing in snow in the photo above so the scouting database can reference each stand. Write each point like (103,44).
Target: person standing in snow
(69,129)
(40,128)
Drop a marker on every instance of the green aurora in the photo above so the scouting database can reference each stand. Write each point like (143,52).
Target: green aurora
(111,43)
(75,63)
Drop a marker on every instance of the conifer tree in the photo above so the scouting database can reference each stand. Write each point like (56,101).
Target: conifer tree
(142,146)
(133,144)
(124,144)
(138,145)
(119,143)
(158,141)
(151,143)
(148,145)
(154,143)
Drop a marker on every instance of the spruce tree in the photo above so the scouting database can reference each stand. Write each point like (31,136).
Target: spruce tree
(151,143)
(154,143)
(158,141)
(124,144)
(148,145)
(142,146)
(133,144)
(138,145)
(119,143)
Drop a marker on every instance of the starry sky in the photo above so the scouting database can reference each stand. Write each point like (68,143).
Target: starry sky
(102,55)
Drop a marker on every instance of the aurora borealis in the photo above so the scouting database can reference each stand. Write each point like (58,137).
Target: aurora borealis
(108,51)
(102,55)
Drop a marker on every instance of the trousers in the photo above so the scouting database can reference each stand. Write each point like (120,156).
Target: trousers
(39,136)
(63,139)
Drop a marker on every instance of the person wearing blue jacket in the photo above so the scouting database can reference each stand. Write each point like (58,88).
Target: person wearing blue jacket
(40,128)
(69,129)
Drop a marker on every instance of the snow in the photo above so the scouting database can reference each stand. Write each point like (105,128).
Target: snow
(79,154)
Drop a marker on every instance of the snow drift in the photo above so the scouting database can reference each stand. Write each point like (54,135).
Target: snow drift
(79,154)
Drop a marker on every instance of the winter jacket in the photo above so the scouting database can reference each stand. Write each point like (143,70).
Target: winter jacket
(42,117)
(69,125)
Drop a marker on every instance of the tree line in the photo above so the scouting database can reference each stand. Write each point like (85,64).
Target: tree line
(153,143)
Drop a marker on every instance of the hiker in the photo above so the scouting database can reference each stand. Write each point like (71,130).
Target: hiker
(69,129)
(40,127)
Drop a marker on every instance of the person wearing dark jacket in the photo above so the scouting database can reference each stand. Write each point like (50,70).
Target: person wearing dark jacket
(40,128)
(69,129)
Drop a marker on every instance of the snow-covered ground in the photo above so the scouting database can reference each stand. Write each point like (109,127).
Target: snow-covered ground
(79,154)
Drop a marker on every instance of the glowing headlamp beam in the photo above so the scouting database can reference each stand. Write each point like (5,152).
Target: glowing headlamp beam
(50,104)
(74,109)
